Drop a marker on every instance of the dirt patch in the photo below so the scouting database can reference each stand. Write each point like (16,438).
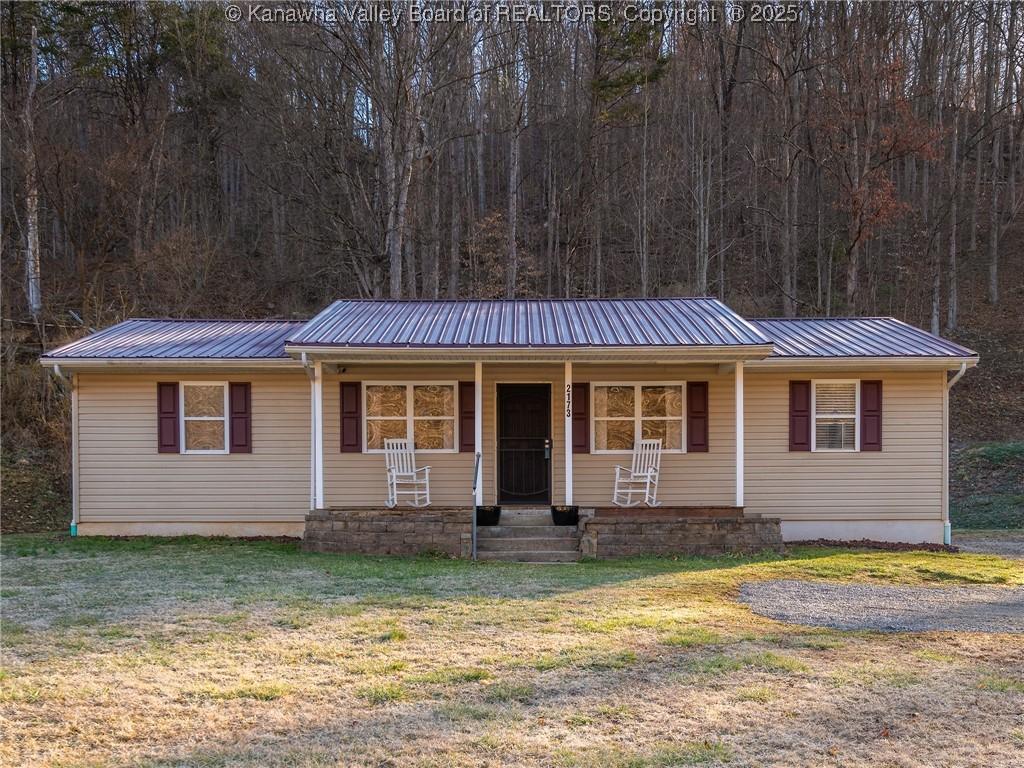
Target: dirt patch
(887,546)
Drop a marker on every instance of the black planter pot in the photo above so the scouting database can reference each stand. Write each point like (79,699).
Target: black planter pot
(488,515)
(565,515)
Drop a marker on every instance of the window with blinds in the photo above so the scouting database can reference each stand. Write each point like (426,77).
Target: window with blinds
(835,416)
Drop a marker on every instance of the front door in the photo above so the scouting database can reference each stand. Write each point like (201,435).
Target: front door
(524,444)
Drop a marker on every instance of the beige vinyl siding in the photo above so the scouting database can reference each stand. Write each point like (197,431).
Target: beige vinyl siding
(358,479)
(122,477)
(903,481)
(687,479)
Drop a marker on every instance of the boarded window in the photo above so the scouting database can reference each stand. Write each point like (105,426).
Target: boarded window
(422,413)
(614,418)
(204,417)
(625,413)
(835,415)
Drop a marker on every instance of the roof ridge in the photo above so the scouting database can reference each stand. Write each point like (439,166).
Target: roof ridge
(844,317)
(214,320)
(524,298)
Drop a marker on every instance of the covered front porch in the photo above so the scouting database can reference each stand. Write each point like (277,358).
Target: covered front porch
(527,436)
(527,432)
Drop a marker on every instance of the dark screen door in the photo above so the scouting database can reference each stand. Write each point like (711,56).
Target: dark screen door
(524,443)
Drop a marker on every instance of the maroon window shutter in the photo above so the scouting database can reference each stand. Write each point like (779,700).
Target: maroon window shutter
(697,416)
(467,417)
(240,417)
(871,415)
(167,428)
(351,416)
(799,415)
(580,417)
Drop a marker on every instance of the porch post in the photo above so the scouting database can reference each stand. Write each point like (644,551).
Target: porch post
(318,435)
(567,433)
(739,433)
(478,430)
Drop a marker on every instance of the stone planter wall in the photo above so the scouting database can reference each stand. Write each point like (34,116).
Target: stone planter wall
(400,531)
(606,537)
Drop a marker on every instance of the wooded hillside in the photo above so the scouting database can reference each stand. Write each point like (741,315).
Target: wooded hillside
(861,158)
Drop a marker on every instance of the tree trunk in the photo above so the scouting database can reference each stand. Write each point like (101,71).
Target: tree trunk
(33,271)
(513,212)
(455,244)
(951,278)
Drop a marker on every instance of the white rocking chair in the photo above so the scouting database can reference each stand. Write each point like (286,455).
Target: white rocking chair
(641,478)
(404,479)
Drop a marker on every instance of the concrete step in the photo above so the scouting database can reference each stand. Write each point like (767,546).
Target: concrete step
(527,531)
(527,545)
(523,518)
(530,557)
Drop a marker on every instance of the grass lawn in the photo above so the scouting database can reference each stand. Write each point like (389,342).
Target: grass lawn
(212,652)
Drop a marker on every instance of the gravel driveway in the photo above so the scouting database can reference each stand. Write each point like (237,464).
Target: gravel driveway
(1004,543)
(888,609)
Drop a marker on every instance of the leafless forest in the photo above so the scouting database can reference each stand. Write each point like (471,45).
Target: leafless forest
(850,158)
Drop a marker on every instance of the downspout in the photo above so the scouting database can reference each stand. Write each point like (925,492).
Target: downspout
(947,528)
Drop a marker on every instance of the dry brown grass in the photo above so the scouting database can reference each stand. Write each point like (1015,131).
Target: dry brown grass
(253,654)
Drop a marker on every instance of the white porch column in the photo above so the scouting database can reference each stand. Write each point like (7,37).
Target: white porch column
(318,435)
(567,436)
(478,430)
(739,433)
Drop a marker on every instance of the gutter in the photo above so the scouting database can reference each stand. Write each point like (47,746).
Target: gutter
(947,528)
(921,362)
(626,354)
(135,363)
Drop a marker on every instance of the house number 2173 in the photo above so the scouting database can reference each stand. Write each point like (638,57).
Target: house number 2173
(568,401)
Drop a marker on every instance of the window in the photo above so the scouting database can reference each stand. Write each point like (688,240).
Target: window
(836,409)
(625,413)
(424,413)
(204,409)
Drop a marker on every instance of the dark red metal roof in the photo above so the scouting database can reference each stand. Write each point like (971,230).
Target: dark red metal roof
(529,323)
(854,337)
(184,339)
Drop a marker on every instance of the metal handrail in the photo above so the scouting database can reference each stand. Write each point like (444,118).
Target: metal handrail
(476,479)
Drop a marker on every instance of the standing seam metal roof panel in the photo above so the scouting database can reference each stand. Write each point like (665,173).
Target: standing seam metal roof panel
(199,339)
(529,323)
(855,337)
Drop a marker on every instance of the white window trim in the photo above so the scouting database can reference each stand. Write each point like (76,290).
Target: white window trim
(814,416)
(637,418)
(409,417)
(183,418)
